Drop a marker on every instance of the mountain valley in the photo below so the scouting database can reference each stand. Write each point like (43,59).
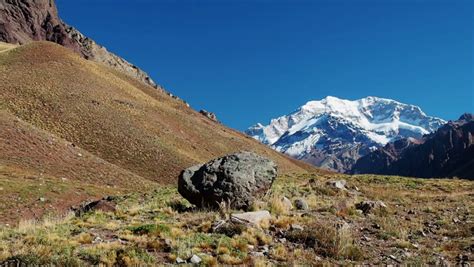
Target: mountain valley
(101,166)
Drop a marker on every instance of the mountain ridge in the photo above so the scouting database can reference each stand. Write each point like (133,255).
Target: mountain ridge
(24,21)
(333,133)
(447,152)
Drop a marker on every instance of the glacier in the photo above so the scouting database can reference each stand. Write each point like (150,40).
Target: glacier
(333,133)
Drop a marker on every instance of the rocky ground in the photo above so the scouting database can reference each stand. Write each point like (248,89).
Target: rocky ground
(311,220)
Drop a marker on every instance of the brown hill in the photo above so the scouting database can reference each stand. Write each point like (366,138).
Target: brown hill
(24,21)
(133,132)
(35,164)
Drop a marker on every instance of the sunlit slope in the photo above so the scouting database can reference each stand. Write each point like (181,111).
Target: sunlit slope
(114,117)
(42,172)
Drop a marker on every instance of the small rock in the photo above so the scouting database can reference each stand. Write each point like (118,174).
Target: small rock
(79,154)
(228,228)
(42,199)
(456,220)
(297,227)
(287,203)
(195,259)
(97,239)
(337,184)
(257,254)
(301,204)
(209,115)
(393,258)
(462,258)
(254,217)
(106,204)
(180,261)
(369,206)
(250,247)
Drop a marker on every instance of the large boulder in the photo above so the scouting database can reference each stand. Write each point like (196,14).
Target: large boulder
(236,180)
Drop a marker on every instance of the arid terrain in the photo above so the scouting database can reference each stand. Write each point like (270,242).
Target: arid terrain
(424,222)
(100,166)
(87,130)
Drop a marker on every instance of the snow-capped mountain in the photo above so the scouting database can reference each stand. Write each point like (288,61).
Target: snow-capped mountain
(333,133)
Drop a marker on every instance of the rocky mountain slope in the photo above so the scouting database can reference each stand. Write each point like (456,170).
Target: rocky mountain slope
(100,129)
(23,21)
(446,153)
(333,133)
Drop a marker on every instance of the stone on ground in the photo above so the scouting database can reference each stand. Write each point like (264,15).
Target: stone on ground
(237,180)
(369,206)
(301,204)
(337,184)
(254,217)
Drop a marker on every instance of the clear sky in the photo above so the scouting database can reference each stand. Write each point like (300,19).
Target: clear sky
(249,61)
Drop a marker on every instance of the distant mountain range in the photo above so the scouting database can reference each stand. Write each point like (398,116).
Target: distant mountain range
(334,133)
(448,152)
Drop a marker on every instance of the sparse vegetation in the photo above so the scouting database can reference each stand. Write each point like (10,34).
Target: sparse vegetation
(160,227)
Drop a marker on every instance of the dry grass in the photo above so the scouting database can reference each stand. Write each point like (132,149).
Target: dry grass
(129,137)
(4,47)
(146,229)
(76,121)
(124,122)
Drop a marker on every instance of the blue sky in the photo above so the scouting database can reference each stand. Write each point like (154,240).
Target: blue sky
(249,61)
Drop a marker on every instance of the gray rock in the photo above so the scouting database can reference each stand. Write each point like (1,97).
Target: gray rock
(97,240)
(209,115)
(106,204)
(301,204)
(180,261)
(297,227)
(337,184)
(369,206)
(254,217)
(237,180)
(257,254)
(195,259)
(287,203)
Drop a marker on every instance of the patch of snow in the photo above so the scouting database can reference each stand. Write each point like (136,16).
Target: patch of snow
(366,121)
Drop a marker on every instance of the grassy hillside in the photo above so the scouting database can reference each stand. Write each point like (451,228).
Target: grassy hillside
(35,164)
(425,222)
(116,118)
(66,118)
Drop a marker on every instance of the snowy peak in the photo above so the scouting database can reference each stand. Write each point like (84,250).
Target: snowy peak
(332,125)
